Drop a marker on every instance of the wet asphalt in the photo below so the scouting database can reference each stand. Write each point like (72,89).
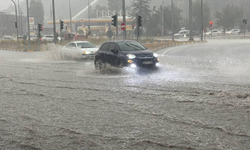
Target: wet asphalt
(199,98)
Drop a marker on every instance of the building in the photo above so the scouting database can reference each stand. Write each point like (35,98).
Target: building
(7,24)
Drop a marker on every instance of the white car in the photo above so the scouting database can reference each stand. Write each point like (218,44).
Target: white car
(233,31)
(182,33)
(214,32)
(8,38)
(33,37)
(84,49)
(49,38)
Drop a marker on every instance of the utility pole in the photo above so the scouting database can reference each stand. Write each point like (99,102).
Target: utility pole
(191,20)
(162,26)
(116,28)
(16,24)
(124,18)
(54,21)
(70,17)
(89,17)
(172,24)
(202,20)
(28,21)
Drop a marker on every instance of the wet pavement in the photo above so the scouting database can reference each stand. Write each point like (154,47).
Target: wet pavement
(198,99)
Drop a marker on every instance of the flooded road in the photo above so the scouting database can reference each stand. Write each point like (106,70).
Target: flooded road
(198,99)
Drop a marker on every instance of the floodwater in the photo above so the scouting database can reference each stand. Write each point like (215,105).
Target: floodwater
(198,99)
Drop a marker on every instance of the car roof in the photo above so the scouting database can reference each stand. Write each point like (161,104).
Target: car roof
(121,41)
(80,42)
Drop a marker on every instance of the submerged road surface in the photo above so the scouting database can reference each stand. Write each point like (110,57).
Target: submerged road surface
(198,99)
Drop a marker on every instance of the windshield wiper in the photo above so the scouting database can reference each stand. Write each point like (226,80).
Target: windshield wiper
(127,44)
(140,48)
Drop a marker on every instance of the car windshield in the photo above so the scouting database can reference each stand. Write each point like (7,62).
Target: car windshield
(85,45)
(130,46)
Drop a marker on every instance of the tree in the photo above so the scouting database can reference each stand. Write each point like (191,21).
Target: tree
(154,25)
(141,8)
(99,8)
(115,5)
(230,17)
(37,11)
(197,15)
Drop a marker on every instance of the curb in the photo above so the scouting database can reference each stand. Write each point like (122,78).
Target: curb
(22,50)
(177,44)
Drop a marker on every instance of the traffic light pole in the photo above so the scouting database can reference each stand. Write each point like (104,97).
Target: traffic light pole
(28,21)
(54,21)
(201,20)
(116,28)
(124,18)
(191,20)
(16,24)
(172,22)
(137,18)
(61,27)
(39,35)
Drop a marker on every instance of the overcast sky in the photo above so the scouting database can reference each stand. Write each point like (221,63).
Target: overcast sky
(4,4)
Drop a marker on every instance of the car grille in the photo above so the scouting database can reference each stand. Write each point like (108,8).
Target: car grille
(145,57)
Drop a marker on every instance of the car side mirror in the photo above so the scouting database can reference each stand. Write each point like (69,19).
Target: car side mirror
(113,51)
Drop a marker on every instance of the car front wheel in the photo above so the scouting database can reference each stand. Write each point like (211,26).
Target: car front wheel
(121,64)
(99,65)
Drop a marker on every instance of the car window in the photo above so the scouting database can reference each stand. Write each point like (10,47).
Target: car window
(112,46)
(85,45)
(130,46)
(105,47)
(68,45)
(73,45)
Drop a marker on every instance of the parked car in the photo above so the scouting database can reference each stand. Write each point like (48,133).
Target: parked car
(83,49)
(33,37)
(125,54)
(80,37)
(233,32)
(182,33)
(214,32)
(8,38)
(49,38)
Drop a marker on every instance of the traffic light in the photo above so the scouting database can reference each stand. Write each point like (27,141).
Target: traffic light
(211,23)
(133,26)
(139,21)
(40,27)
(15,24)
(61,24)
(245,21)
(114,20)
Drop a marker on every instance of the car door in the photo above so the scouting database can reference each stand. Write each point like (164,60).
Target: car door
(112,57)
(102,52)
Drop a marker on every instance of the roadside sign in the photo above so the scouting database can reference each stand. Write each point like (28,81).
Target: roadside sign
(123,27)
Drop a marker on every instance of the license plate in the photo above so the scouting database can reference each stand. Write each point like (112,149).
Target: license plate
(147,62)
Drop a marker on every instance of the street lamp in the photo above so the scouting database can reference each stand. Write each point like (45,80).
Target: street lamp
(70,17)
(88,17)
(28,21)
(162,26)
(16,24)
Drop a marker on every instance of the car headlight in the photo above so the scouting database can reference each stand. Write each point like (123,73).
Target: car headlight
(155,55)
(131,56)
(86,52)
